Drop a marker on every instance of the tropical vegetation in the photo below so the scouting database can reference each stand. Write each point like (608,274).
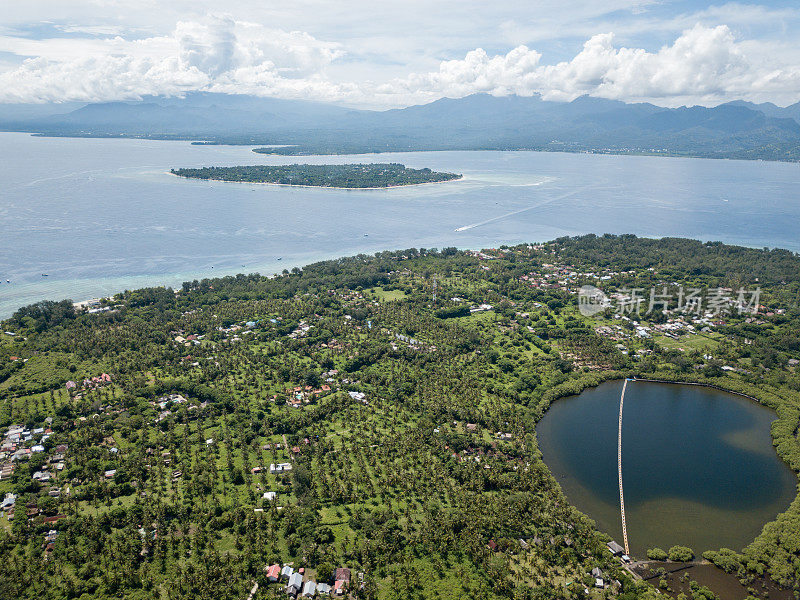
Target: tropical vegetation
(375,175)
(375,412)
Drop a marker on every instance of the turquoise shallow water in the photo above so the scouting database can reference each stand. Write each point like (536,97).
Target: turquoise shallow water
(102,215)
(699,468)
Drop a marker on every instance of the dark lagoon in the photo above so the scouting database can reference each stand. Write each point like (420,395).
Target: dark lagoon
(699,468)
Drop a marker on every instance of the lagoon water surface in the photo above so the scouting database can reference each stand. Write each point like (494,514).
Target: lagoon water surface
(698,465)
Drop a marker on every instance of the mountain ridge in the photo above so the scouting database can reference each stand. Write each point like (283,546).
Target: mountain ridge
(736,129)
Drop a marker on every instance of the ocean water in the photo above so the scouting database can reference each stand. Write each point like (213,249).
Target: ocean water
(698,465)
(103,215)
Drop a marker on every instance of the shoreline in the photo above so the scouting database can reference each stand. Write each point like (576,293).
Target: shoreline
(707,385)
(191,139)
(323,187)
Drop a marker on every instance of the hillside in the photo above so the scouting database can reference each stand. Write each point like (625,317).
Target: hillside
(480,121)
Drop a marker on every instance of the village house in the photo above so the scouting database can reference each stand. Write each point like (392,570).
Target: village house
(323,589)
(309,589)
(8,501)
(615,548)
(54,519)
(294,585)
(273,573)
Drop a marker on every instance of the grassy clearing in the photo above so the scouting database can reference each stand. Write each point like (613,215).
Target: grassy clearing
(388,295)
(688,343)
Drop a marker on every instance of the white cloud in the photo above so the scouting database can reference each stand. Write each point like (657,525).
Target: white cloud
(705,64)
(221,45)
(208,47)
(92,29)
(215,53)
(477,72)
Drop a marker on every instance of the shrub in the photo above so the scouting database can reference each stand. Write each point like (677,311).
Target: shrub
(681,554)
(656,554)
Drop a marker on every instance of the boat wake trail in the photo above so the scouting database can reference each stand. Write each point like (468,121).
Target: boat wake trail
(527,208)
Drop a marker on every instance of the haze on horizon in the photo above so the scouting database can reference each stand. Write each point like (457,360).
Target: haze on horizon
(385,54)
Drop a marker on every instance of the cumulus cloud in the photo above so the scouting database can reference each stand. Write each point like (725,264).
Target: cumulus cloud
(477,72)
(215,54)
(222,45)
(209,47)
(704,63)
(221,54)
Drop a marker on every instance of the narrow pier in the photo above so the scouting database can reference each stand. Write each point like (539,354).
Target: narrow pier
(619,470)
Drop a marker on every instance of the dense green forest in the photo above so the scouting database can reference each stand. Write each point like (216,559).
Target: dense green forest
(343,419)
(374,175)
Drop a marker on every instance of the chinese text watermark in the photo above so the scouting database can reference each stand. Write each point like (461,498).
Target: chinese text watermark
(682,300)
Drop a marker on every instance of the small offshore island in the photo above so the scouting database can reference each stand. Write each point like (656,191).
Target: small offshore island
(350,176)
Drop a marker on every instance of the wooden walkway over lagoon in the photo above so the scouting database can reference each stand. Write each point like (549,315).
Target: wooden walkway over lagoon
(619,471)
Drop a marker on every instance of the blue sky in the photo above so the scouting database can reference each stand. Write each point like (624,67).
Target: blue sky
(382,53)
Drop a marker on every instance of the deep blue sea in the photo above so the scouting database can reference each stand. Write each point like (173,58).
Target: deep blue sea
(103,215)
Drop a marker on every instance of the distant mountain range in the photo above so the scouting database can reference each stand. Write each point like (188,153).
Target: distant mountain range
(478,122)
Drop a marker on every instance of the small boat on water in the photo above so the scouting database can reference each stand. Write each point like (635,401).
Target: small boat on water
(45,275)
(280,258)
